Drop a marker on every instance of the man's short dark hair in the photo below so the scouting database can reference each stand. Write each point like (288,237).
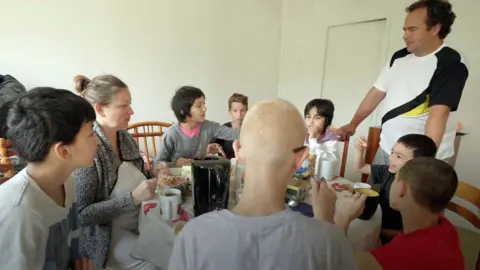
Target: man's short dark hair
(421,145)
(438,12)
(183,100)
(44,116)
(432,182)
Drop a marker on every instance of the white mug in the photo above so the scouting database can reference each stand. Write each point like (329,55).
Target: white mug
(327,169)
(170,200)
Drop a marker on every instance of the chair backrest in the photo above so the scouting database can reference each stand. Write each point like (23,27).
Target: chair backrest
(150,133)
(470,194)
(343,165)
(373,143)
(6,165)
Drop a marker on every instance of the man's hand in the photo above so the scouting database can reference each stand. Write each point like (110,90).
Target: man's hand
(349,208)
(368,105)
(346,131)
(323,201)
(83,264)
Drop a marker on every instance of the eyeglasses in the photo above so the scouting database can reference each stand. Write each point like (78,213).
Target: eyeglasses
(299,149)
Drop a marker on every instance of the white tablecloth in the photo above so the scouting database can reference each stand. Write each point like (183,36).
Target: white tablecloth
(155,242)
(156,239)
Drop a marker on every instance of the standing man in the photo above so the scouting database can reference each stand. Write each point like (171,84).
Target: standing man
(421,84)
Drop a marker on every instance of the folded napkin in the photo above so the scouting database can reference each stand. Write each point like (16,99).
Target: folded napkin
(325,151)
(156,239)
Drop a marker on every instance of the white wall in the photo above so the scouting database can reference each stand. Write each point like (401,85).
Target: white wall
(155,46)
(304,35)
(255,47)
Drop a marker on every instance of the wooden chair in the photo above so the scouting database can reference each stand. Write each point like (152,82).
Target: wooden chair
(6,165)
(149,133)
(343,165)
(471,194)
(373,142)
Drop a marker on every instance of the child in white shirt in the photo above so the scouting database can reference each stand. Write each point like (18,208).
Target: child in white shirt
(318,116)
(50,129)
(322,141)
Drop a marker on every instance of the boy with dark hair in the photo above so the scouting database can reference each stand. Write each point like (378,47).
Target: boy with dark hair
(190,137)
(407,147)
(421,191)
(237,108)
(51,130)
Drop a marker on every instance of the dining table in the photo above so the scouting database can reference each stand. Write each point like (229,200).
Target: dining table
(157,236)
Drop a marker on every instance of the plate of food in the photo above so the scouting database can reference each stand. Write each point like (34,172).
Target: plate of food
(342,187)
(170,181)
(174,181)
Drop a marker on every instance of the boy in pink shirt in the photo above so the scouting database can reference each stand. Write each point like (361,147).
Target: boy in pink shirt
(190,137)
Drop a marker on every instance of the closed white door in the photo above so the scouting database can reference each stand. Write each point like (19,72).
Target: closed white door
(355,54)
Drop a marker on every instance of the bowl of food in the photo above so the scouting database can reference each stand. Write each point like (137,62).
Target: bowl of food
(371,203)
(360,185)
(173,181)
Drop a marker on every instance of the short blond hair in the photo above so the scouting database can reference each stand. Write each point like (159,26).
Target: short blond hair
(236,97)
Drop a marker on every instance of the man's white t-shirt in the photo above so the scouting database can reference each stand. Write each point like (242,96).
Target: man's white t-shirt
(414,84)
(286,240)
(36,232)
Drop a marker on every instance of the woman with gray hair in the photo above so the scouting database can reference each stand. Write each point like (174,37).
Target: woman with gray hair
(109,193)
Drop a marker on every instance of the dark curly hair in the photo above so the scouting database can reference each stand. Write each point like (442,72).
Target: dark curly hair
(438,12)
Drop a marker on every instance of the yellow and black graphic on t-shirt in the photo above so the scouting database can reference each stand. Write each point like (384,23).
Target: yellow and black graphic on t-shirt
(417,106)
(420,109)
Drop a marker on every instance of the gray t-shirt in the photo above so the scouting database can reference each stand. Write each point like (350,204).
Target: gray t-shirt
(37,234)
(177,145)
(286,240)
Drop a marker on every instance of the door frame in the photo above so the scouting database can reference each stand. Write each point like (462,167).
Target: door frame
(374,116)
